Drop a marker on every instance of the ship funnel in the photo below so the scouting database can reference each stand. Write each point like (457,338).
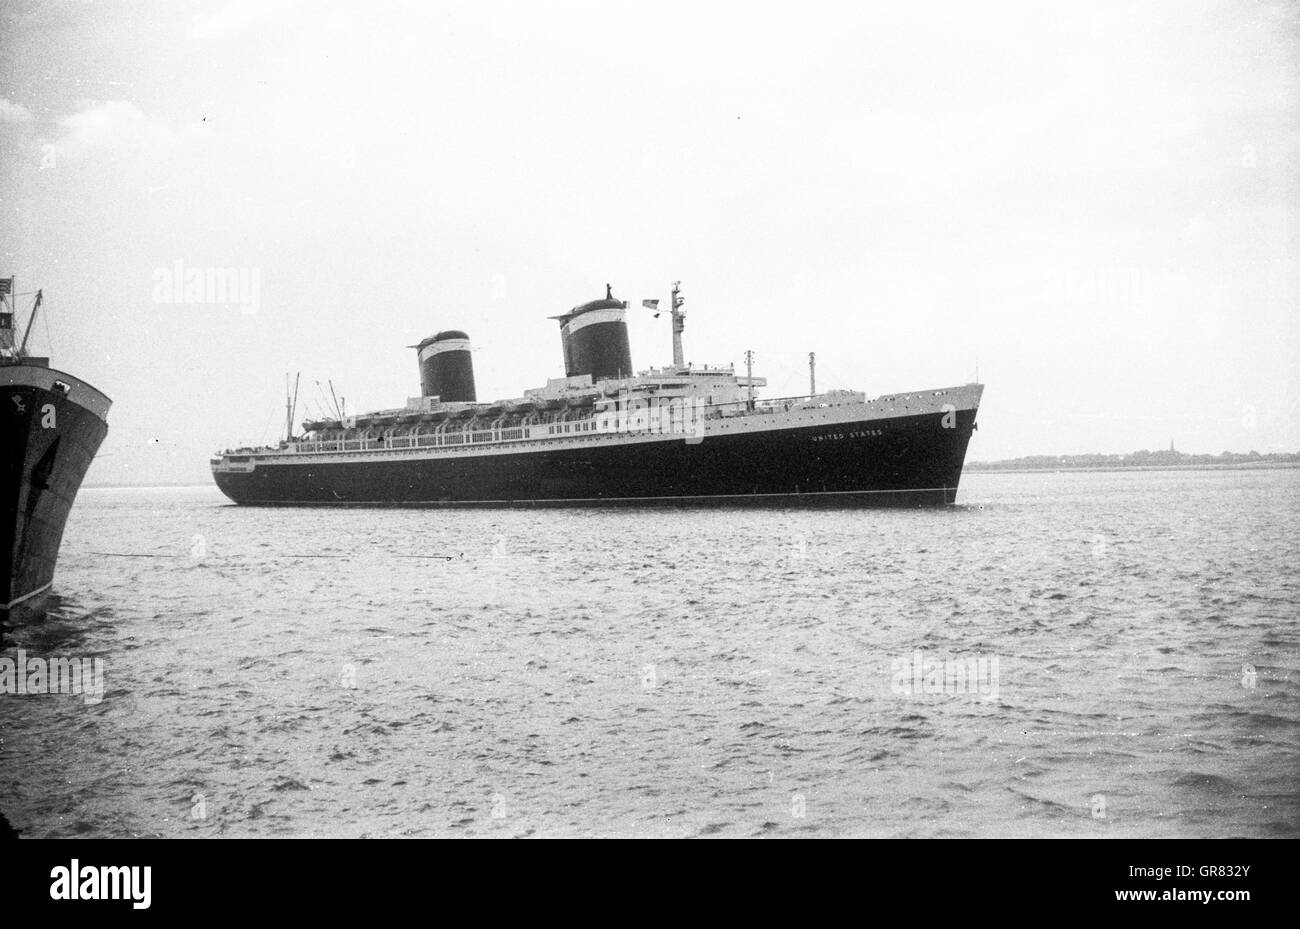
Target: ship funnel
(446,368)
(594,339)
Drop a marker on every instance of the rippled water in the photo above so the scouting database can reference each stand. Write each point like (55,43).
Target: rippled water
(676,672)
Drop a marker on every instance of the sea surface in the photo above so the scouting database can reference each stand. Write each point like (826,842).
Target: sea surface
(1118,654)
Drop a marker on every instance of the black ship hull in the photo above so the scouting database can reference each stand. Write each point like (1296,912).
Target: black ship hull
(51,425)
(900,461)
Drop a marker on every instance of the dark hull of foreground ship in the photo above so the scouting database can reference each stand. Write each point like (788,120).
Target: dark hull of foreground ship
(903,461)
(51,425)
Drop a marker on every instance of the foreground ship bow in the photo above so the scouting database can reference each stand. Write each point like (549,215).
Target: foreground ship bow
(51,425)
(602,436)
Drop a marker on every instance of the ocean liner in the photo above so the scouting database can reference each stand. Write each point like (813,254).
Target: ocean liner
(51,425)
(606,435)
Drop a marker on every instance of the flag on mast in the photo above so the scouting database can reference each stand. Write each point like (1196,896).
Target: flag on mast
(650,304)
(6,285)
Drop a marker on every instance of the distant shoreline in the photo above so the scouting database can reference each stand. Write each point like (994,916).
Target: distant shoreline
(994,468)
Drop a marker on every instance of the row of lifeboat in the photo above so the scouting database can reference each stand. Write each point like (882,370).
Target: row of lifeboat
(486,412)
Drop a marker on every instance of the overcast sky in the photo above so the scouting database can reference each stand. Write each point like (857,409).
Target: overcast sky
(1096,201)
